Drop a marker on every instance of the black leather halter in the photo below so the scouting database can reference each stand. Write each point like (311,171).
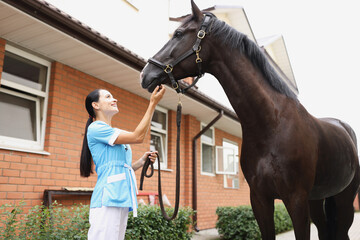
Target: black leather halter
(168,68)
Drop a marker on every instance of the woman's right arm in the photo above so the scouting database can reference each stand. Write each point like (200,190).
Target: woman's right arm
(138,135)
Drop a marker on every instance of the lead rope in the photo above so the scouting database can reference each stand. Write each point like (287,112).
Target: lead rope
(149,163)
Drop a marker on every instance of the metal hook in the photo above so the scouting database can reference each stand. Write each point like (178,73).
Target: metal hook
(179,96)
(197,52)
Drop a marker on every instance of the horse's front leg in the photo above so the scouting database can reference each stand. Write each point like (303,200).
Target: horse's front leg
(263,208)
(298,208)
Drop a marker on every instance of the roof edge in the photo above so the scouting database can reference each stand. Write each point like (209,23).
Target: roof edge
(206,100)
(49,14)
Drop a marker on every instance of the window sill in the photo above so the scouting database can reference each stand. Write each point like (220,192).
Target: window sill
(208,174)
(232,188)
(40,152)
(164,169)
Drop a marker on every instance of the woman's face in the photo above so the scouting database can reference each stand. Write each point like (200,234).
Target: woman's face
(106,104)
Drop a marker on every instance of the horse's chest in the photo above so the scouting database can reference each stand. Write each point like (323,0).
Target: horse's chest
(259,170)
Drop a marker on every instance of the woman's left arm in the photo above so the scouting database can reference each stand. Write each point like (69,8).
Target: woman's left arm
(139,163)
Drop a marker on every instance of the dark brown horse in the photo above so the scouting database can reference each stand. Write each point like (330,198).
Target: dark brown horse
(310,164)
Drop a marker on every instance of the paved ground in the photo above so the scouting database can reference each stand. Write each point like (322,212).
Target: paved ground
(354,232)
(208,234)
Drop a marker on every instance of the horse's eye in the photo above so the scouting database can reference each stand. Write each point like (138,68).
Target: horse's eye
(178,34)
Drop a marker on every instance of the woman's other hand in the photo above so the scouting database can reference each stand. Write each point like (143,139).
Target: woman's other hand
(151,155)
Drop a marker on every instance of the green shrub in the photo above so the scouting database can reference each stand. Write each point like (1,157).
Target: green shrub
(150,224)
(282,219)
(42,223)
(239,222)
(9,223)
(59,222)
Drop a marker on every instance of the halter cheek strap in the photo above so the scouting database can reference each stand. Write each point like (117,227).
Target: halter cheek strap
(168,68)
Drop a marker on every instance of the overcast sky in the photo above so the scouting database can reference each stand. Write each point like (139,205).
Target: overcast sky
(322,39)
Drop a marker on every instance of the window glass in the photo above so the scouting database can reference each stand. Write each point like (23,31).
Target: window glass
(18,118)
(208,151)
(225,160)
(24,71)
(207,158)
(158,139)
(159,120)
(207,136)
(157,144)
(232,181)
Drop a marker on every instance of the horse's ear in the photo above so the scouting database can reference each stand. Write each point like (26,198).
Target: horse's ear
(196,11)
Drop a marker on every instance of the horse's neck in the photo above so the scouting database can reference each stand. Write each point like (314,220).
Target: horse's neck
(251,97)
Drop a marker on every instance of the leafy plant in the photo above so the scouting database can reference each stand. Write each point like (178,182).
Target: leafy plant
(151,225)
(239,222)
(282,219)
(72,222)
(8,218)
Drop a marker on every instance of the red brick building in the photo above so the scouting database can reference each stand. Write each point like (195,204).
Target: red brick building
(49,62)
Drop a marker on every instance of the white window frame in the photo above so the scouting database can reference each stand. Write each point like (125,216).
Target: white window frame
(237,163)
(157,132)
(212,144)
(40,97)
(217,171)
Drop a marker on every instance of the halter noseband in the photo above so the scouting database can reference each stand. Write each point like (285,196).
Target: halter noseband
(168,68)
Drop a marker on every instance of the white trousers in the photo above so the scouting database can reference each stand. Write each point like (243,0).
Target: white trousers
(108,223)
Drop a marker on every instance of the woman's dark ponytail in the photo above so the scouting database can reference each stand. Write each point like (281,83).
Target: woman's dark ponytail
(86,159)
(86,162)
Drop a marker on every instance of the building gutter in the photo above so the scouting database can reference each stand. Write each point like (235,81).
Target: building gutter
(194,166)
(207,101)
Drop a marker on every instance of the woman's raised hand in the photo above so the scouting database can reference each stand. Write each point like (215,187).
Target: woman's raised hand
(157,94)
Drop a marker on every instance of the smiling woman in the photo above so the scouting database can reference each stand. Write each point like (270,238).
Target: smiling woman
(115,191)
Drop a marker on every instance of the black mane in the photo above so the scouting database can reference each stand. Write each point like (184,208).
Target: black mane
(237,40)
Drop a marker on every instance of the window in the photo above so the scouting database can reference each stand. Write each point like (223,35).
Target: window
(225,160)
(158,140)
(232,181)
(23,100)
(207,151)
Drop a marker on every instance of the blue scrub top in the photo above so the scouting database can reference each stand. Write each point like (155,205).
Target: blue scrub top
(116,183)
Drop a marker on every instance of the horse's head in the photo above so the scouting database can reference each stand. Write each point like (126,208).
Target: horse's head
(182,55)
